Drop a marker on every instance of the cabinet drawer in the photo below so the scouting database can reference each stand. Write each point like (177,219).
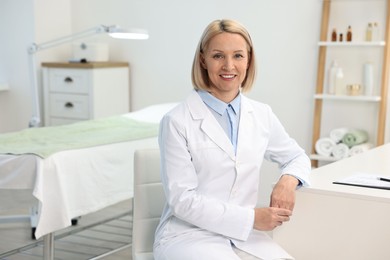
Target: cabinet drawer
(68,81)
(62,121)
(69,106)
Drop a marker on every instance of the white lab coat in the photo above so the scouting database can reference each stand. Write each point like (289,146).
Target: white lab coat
(210,191)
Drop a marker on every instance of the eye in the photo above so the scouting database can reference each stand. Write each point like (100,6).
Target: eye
(218,56)
(238,56)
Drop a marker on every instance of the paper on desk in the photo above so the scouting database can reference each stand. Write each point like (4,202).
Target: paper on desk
(263,246)
(367,180)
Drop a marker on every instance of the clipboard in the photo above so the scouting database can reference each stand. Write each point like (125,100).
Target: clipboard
(365,180)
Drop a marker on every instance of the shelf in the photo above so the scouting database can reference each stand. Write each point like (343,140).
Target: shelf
(322,158)
(333,1)
(353,44)
(348,98)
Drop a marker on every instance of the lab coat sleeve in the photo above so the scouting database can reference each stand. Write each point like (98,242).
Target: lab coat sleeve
(180,183)
(285,151)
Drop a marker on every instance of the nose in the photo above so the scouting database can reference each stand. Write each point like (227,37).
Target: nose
(228,64)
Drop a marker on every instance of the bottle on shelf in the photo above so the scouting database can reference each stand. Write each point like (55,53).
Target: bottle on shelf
(334,35)
(375,32)
(349,34)
(369,32)
(341,37)
(368,79)
(335,77)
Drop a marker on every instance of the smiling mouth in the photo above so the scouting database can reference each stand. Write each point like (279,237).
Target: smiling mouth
(230,76)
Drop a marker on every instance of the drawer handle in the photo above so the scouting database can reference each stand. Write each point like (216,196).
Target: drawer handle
(68,80)
(69,105)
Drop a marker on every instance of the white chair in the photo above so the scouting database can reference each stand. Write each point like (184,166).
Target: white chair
(148,202)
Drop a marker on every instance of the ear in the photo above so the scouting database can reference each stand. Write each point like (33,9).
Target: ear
(202,61)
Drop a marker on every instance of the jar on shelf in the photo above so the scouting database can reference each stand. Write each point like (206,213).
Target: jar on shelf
(354,89)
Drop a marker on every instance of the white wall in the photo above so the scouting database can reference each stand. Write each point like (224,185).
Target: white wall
(22,23)
(15,33)
(285,34)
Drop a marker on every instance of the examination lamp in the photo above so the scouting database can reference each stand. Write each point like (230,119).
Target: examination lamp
(113,30)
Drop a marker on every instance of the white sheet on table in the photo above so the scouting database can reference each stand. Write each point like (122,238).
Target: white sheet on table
(73,183)
(77,182)
(151,114)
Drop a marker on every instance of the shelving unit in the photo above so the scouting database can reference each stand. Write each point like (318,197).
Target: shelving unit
(378,102)
(348,98)
(351,44)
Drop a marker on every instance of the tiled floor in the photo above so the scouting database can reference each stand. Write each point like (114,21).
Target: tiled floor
(93,236)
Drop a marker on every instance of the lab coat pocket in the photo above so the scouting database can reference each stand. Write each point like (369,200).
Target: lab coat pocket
(204,150)
(203,145)
(207,157)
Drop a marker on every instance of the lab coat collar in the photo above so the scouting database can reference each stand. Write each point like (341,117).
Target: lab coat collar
(210,126)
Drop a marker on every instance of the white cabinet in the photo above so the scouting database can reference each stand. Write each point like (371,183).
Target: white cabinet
(81,91)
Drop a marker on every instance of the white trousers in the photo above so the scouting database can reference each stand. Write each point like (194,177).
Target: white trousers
(208,247)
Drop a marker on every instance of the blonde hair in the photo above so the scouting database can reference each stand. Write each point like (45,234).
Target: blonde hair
(200,78)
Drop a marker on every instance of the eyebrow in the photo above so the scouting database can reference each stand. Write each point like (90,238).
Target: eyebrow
(216,50)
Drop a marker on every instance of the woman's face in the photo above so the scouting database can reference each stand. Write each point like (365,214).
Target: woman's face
(226,61)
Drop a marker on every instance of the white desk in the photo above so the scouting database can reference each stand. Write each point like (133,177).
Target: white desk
(341,222)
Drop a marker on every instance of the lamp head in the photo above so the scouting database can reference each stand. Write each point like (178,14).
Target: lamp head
(120,33)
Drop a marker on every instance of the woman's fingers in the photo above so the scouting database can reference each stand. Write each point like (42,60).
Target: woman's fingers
(271,217)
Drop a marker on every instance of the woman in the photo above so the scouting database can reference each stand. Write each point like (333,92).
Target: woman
(212,146)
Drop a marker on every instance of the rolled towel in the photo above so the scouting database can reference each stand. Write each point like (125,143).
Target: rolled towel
(337,134)
(360,148)
(324,146)
(355,137)
(340,151)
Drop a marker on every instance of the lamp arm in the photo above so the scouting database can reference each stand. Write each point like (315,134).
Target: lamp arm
(46,45)
(35,120)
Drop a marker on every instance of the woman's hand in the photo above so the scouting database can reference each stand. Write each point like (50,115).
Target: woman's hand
(267,219)
(283,194)
(281,206)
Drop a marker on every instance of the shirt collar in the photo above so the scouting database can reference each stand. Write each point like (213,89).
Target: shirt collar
(218,105)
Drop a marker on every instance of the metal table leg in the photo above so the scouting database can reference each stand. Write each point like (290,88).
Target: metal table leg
(48,246)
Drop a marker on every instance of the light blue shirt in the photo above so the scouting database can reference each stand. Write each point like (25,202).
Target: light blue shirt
(227,115)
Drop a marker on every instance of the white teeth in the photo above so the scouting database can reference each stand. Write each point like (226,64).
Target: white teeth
(227,76)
